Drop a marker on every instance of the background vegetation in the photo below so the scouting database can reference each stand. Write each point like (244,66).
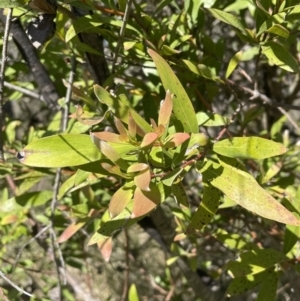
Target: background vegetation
(150,150)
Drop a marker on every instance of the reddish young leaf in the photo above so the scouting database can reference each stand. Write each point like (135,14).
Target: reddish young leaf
(132,126)
(149,139)
(70,231)
(143,179)
(136,167)
(165,110)
(119,201)
(145,201)
(105,248)
(176,140)
(122,130)
(106,136)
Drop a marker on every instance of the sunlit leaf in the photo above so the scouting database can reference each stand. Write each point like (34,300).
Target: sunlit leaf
(165,110)
(182,106)
(149,140)
(145,201)
(249,147)
(105,248)
(242,188)
(60,151)
(120,200)
(176,139)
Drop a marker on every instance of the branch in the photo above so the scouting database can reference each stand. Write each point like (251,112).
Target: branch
(2,70)
(14,285)
(39,72)
(121,35)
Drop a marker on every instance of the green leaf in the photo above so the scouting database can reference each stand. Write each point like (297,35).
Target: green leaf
(60,151)
(279,56)
(233,63)
(26,200)
(242,188)
(120,109)
(249,147)
(206,210)
(180,194)
(291,237)
(182,106)
(12,3)
(255,261)
(241,285)
(82,24)
(133,293)
(171,176)
(268,289)
(227,18)
(211,119)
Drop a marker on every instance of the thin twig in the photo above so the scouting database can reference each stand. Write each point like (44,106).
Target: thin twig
(121,35)
(24,91)
(60,266)
(46,228)
(126,276)
(14,285)
(2,70)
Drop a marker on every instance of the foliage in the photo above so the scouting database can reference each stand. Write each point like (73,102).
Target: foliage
(218,155)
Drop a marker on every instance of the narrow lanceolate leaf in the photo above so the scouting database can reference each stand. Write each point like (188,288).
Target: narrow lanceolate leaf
(249,147)
(242,188)
(227,18)
(165,110)
(120,109)
(233,63)
(145,201)
(70,231)
(119,201)
(182,106)
(206,210)
(106,136)
(60,151)
(279,56)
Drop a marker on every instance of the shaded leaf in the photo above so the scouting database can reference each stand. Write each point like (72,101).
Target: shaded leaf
(249,147)
(120,109)
(268,289)
(12,3)
(206,210)
(233,63)
(171,176)
(279,56)
(227,18)
(180,194)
